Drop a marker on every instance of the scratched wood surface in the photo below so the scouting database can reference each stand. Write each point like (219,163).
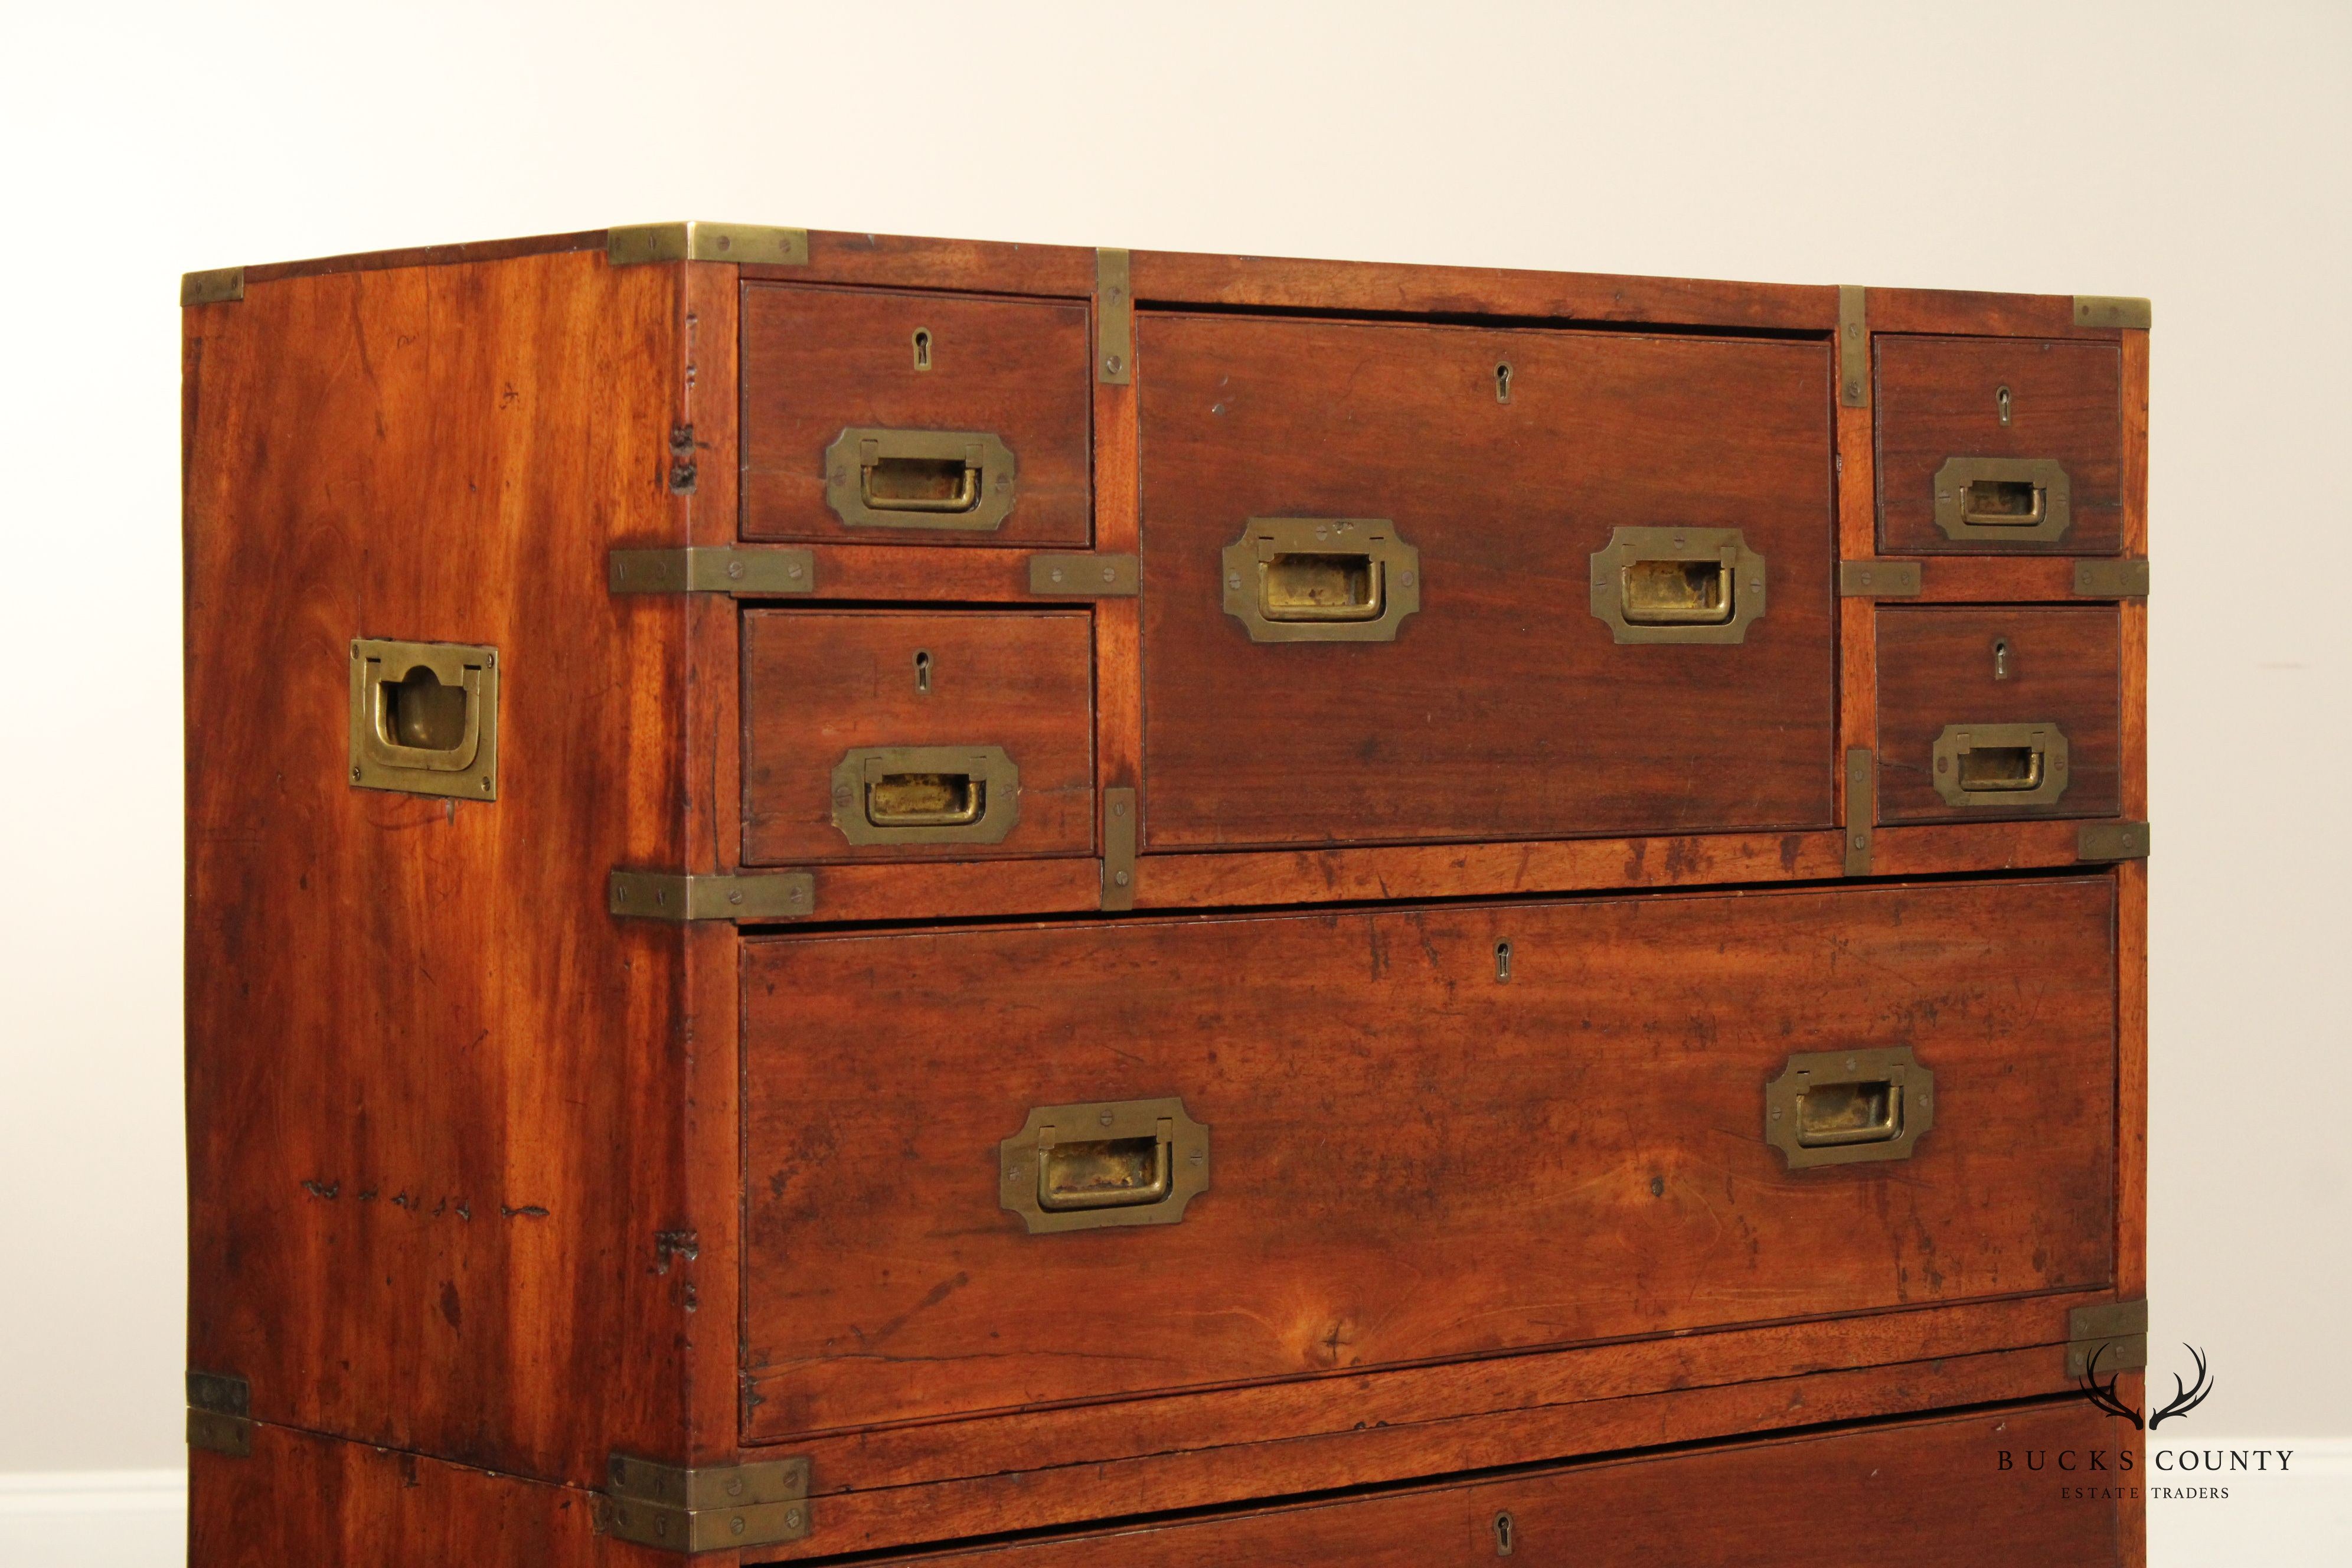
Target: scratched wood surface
(1410,1160)
(434,1148)
(1504,708)
(1932,1493)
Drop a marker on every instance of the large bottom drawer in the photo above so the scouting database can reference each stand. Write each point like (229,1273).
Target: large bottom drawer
(1971,1492)
(996,1168)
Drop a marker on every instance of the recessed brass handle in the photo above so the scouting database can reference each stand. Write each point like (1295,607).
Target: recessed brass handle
(876,478)
(1835,1107)
(1080,1167)
(925,794)
(1321,579)
(1677,585)
(2010,499)
(2000,765)
(423,718)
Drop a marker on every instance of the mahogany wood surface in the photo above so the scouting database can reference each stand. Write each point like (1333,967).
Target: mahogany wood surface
(1938,398)
(1388,1120)
(818,360)
(302,1501)
(818,684)
(1929,1494)
(436,1167)
(1941,665)
(1504,708)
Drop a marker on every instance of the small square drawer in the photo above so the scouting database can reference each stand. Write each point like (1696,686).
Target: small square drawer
(1999,445)
(882,417)
(936,735)
(1987,712)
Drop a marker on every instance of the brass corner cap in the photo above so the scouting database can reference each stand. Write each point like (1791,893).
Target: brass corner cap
(694,241)
(2111,310)
(220,286)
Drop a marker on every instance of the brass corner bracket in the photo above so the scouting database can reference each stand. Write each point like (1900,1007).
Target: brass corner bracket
(220,1413)
(2111,841)
(2112,310)
(713,1507)
(2114,1335)
(1854,346)
(220,286)
(750,243)
(673,896)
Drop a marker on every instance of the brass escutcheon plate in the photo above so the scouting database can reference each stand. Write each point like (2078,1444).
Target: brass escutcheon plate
(1086,1167)
(1840,1108)
(1677,585)
(2001,766)
(425,718)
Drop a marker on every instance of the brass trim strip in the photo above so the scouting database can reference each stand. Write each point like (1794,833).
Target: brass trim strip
(669,896)
(2111,841)
(712,569)
(1854,346)
(220,286)
(2115,1332)
(1879,579)
(1118,849)
(2112,310)
(1114,318)
(1861,808)
(716,1508)
(1086,577)
(755,244)
(2124,579)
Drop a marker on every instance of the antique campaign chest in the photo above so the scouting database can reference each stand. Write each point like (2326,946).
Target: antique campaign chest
(889,899)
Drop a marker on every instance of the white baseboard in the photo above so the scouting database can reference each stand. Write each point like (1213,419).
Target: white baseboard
(138,1518)
(94,1518)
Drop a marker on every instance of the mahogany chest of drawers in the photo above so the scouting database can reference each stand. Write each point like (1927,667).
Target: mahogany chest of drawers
(868,897)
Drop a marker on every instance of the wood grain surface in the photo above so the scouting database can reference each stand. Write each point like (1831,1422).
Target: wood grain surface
(1410,1160)
(1504,708)
(1927,1494)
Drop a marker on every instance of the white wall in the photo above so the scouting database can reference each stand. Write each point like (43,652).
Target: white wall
(2190,152)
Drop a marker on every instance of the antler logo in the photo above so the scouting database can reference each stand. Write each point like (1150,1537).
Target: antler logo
(2185,1397)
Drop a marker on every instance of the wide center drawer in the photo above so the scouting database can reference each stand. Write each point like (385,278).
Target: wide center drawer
(1423,1133)
(1425,583)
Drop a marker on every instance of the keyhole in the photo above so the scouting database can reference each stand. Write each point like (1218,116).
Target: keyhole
(2002,397)
(1505,1533)
(922,670)
(2001,659)
(1502,961)
(923,360)
(1503,381)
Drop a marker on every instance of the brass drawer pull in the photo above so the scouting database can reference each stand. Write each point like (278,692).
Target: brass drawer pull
(1835,1107)
(1321,579)
(920,479)
(2007,500)
(1079,1167)
(1677,585)
(925,794)
(425,718)
(2000,765)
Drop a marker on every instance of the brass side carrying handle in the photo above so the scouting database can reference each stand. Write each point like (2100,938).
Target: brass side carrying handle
(2003,765)
(1677,585)
(925,794)
(425,718)
(1321,579)
(1838,1108)
(1083,1167)
(2005,499)
(876,478)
